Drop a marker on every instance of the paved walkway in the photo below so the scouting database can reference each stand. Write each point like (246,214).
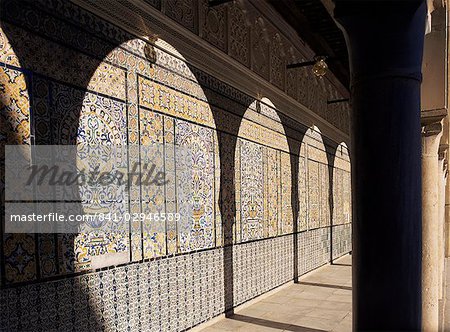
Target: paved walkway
(321,301)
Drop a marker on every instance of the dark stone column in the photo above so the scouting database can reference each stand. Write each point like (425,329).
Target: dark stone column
(385,42)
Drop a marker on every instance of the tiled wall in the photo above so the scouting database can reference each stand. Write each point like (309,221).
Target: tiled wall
(266,184)
(169,294)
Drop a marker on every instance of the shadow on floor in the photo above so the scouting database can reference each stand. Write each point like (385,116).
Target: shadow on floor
(340,264)
(324,285)
(272,324)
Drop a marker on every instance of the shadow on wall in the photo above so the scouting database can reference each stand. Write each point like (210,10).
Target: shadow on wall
(56,99)
(54,119)
(331,149)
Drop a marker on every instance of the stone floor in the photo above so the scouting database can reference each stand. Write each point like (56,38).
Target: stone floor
(321,301)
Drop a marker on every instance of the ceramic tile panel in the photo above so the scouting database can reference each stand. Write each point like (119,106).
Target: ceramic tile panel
(7,54)
(91,82)
(324,195)
(313,194)
(217,204)
(166,100)
(20,257)
(347,199)
(252,199)
(195,228)
(272,178)
(19,249)
(152,197)
(170,187)
(342,239)
(286,194)
(52,60)
(302,194)
(314,249)
(316,151)
(134,139)
(260,266)
(50,21)
(338,214)
(99,122)
(238,199)
(15,105)
(259,133)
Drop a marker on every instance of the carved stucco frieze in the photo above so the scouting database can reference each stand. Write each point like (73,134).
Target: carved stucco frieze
(245,32)
(250,39)
(239,35)
(182,11)
(292,75)
(213,24)
(260,48)
(277,61)
(154,3)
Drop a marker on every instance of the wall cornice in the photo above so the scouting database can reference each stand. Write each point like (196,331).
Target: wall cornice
(141,19)
(277,20)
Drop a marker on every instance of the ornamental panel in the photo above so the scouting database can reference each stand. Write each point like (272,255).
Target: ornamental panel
(251,190)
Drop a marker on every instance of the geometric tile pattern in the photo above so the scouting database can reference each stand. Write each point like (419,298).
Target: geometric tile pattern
(251,184)
(174,278)
(152,296)
(273,193)
(19,249)
(196,228)
(342,197)
(302,195)
(286,194)
(313,194)
(324,195)
(260,265)
(313,249)
(150,102)
(120,299)
(342,239)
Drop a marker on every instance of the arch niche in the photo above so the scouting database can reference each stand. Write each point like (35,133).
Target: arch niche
(313,182)
(169,118)
(263,175)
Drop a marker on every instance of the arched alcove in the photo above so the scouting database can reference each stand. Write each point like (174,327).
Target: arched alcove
(97,83)
(173,125)
(342,213)
(342,202)
(263,175)
(313,182)
(121,99)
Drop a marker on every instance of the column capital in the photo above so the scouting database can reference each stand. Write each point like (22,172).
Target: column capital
(428,117)
(432,129)
(431,138)
(442,152)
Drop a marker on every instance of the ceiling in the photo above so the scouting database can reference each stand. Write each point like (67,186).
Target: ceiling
(315,25)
